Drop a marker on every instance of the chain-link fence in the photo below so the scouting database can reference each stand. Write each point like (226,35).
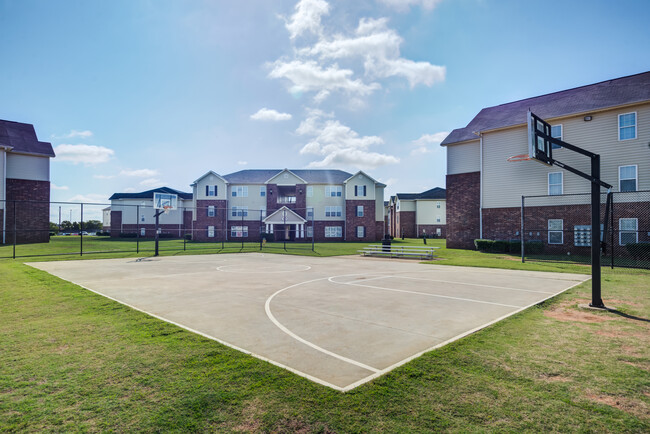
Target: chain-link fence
(35,228)
(558,228)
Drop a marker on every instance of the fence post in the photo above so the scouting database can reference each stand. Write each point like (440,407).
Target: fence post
(15,229)
(313,230)
(521,231)
(81,231)
(137,228)
(611,211)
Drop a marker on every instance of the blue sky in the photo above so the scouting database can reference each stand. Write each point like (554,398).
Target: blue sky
(136,94)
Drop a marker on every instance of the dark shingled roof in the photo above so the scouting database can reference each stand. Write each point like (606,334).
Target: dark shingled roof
(610,93)
(149,194)
(434,193)
(22,138)
(252,176)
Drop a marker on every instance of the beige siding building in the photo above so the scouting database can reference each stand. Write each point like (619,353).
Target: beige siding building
(413,215)
(484,190)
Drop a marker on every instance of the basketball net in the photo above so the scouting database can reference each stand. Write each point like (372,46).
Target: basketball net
(167,208)
(520,157)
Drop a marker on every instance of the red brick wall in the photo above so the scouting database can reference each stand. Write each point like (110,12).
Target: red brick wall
(405,225)
(32,215)
(116,223)
(200,225)
(374,229)
(431,230)
(463,203)
(319,230)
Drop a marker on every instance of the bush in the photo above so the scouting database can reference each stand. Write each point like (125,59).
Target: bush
(639,250)
(164,235)
(533,247)
(103,234)
(512,246)
(500,246)
(483,245)
(128,235)
(188,237)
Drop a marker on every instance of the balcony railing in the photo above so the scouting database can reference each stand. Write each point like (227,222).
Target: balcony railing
(286,199)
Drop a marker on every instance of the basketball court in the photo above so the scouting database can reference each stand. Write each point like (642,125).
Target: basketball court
(339,321)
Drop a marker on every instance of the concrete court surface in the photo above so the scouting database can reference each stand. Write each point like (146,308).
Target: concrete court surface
(339,321)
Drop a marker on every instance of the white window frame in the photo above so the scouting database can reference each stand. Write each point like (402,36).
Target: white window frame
(553,146)
(263,211)
(211,211)
(212,190)
(438,204)
(627,231)
(238,231)
(309,232)
(561,184)
(310,213)
(142,218)
(629,126)
(438,219)
(333,211)
(359,210)
(333,231)
(239,191)
(210,231)
(143,232)
(561,231)
(239,211)
(310,191)
(333,191)
(636,177)
(263,191)
(361,231)
(360,190)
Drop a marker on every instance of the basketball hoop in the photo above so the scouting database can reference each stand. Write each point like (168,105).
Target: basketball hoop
(520,157)
(167,208)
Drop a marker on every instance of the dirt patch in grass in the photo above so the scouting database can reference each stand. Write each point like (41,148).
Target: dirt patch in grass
(252,417)
(575,315)
(632,406)
(554,378)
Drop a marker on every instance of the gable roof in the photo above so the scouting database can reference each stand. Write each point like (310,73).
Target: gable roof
(285,171)
(149,194)
(361,172)
(434,193)
(592,97)
(21,138)
(260,176)
(211,172)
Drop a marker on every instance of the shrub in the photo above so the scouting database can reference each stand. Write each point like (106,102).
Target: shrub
(533,247)
(639,250)
(483,245)
(269,237)
(128,235)
(188,237)
(164,235)
(514,246)
(500,246)
(103,234)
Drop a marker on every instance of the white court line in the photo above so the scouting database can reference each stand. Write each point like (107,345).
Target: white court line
(260,270)
(423,293)
(473,284)
(267,308)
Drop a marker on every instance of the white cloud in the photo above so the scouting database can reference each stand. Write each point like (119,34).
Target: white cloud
(139,173)
(306,17)
(73,134)
(378,46)
(265,114)
(423,144)
(151,182)
(404,5)
(53,186)
(103,176)
(310,76)
(129,190)
(242,163)
(338,144)
(87,154)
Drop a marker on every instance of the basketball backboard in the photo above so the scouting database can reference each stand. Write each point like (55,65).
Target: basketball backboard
(539,143)
(165,201)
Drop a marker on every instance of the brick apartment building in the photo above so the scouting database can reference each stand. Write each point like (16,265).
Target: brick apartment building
(413,215)
(24,184)
(484,191)
(287,205)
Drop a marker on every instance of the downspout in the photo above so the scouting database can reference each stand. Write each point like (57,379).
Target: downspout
(480,211)
(4,194)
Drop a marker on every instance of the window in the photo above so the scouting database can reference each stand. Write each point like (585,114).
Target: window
(263,191)
(628,231)
(627,178)
(310,213)
(360,211)
(397,206)
(361,231)
(210,231)
(309,232)
(438,231)
(263,211)
(555,183)
(333,191)
(333,231)
(310,191)
(240,191)
(239,211)
(210,190)
(142,218)
(359,190)
(437,219)
(332,211)
(555,231)
(142,232)
(437,204)
(556,132)
(239,231)
(211,212)
(627,126)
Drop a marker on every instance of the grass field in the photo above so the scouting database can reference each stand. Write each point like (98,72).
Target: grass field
(74,361)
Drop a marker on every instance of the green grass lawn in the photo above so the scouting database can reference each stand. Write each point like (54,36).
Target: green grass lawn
(74,361)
